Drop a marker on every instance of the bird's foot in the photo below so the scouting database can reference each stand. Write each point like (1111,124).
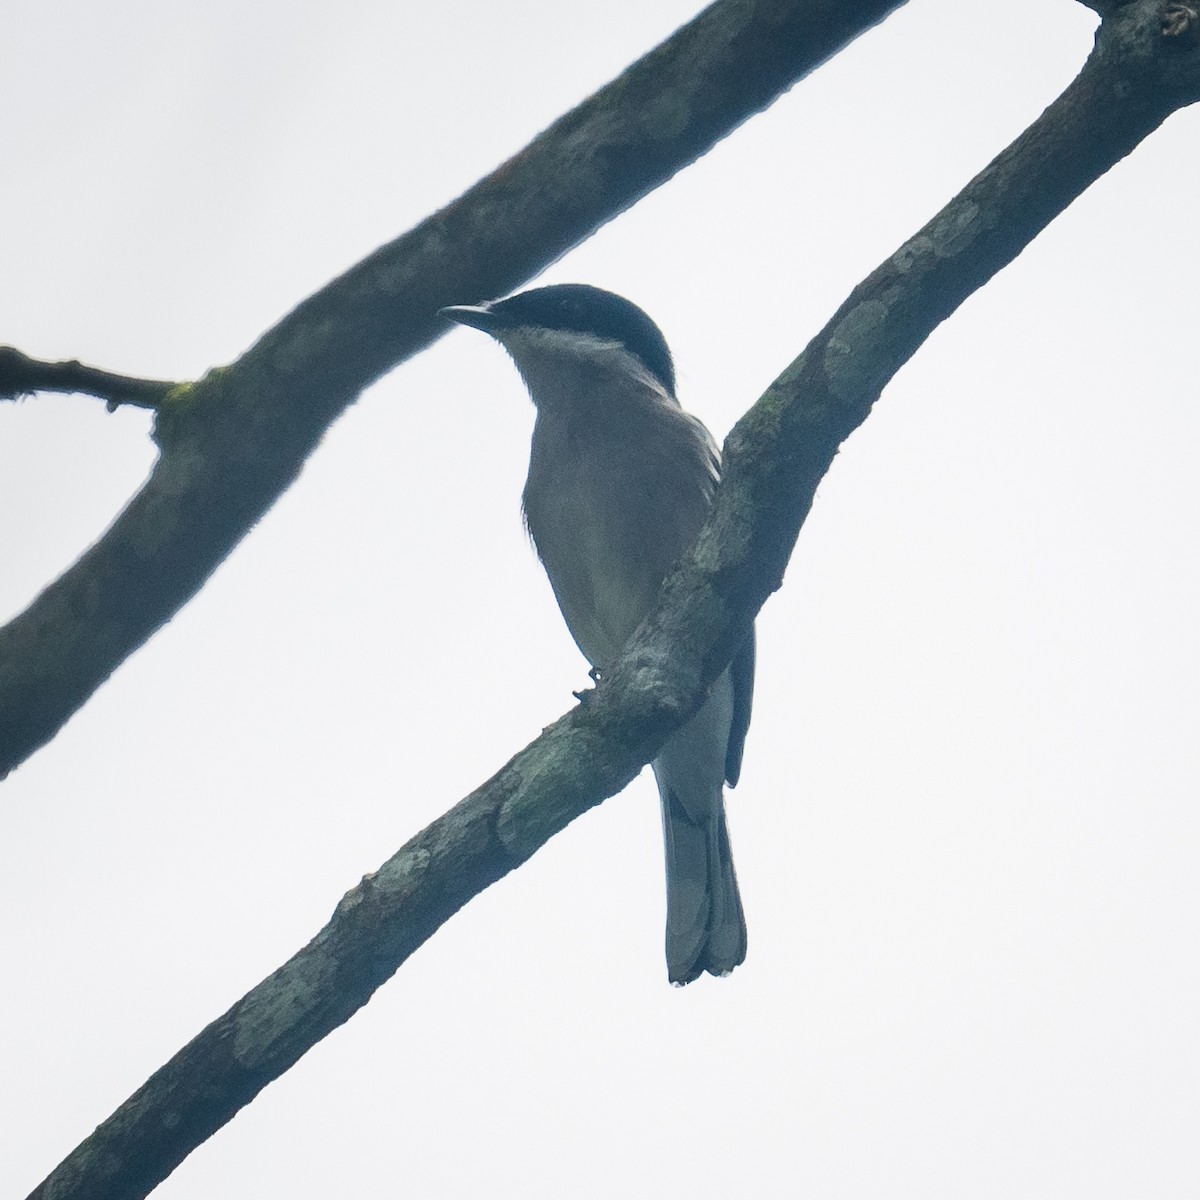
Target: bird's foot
(594,674)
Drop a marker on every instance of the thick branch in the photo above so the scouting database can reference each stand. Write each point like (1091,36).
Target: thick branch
(1143,68)
(775,457)
(233,442)
(21,375)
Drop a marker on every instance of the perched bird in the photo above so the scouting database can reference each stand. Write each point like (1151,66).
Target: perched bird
(620,481)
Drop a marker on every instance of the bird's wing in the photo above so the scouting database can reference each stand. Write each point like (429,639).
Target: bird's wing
(741,672)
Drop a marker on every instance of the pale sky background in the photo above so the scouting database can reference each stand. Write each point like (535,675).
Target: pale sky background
(967,829)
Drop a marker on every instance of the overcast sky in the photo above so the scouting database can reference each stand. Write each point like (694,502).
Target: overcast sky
(967,829)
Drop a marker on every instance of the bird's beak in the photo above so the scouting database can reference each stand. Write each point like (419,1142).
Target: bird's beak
(478,316)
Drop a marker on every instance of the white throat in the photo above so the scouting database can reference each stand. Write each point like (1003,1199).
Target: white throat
(565,370)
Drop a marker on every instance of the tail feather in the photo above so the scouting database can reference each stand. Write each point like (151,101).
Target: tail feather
(727,928)
(706,929)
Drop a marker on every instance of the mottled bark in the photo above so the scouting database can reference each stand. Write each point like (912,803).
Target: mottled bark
(1143,68)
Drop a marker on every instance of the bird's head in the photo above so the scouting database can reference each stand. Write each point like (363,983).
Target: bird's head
(571,328)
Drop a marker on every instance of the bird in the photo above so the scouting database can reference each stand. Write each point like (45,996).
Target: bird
(620,481)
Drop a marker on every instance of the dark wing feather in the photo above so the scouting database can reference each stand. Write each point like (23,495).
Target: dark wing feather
(741,672)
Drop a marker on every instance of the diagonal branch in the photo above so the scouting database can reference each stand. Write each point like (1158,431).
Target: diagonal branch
(775,457)
(234,441)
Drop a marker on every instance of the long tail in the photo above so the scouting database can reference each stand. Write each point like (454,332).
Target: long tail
(706,929)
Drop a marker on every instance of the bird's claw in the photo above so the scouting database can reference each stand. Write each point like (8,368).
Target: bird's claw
(594,674)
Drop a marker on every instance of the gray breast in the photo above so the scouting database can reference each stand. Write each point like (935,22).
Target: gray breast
(611,504)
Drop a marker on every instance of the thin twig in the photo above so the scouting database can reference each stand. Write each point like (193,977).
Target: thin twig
(21,375)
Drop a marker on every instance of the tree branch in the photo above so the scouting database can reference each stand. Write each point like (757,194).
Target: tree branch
(21,375)
(776,455)
(234,441)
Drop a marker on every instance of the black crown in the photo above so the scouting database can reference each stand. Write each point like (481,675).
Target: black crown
(581,308)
